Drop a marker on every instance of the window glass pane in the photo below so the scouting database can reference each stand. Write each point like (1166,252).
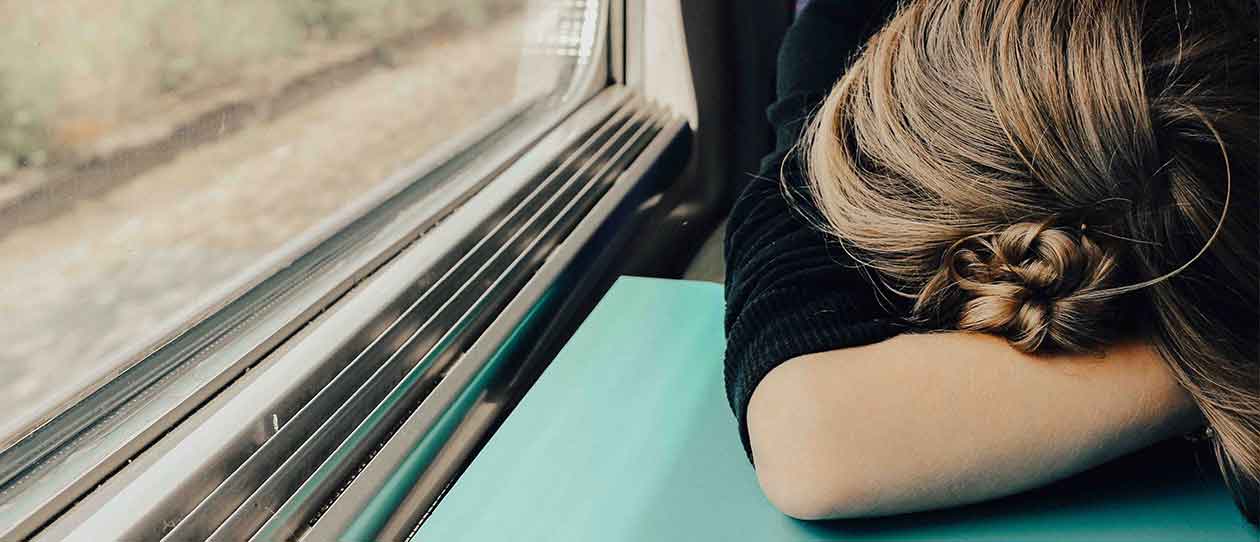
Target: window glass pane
(151,151)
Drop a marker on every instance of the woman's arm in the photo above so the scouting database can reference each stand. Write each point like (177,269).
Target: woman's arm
(928,421)
(791,290)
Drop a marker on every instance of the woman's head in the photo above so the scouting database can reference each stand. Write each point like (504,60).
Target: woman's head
(1064,173)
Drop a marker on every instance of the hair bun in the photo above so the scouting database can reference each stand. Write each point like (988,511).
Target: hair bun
(1041,287)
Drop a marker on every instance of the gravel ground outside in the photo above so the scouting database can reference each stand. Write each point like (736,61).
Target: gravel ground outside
(83,283)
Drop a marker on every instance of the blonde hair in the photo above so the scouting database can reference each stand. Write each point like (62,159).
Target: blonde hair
(1064,173)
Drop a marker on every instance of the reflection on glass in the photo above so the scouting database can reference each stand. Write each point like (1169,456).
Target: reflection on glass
(153,150)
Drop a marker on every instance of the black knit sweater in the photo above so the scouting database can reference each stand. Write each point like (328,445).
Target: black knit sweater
(789,289)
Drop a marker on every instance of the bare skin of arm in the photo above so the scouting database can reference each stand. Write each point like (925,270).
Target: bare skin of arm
(928,421)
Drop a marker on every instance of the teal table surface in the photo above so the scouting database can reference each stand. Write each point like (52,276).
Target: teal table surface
(627,436)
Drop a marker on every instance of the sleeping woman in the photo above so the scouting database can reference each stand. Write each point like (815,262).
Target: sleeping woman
(999,242)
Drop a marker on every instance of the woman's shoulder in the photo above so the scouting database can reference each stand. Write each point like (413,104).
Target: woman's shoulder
(815,52)
(823,40)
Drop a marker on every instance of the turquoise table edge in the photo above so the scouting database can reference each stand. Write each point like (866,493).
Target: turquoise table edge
(627,436)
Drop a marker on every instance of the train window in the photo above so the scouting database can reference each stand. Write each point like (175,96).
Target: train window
(185,185)
(152,152)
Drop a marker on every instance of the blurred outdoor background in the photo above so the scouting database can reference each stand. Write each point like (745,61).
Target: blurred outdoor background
(150,150)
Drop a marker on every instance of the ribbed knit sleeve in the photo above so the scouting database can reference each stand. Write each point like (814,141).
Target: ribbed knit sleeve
(790,290)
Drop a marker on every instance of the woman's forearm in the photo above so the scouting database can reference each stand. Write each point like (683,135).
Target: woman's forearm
(928,421)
